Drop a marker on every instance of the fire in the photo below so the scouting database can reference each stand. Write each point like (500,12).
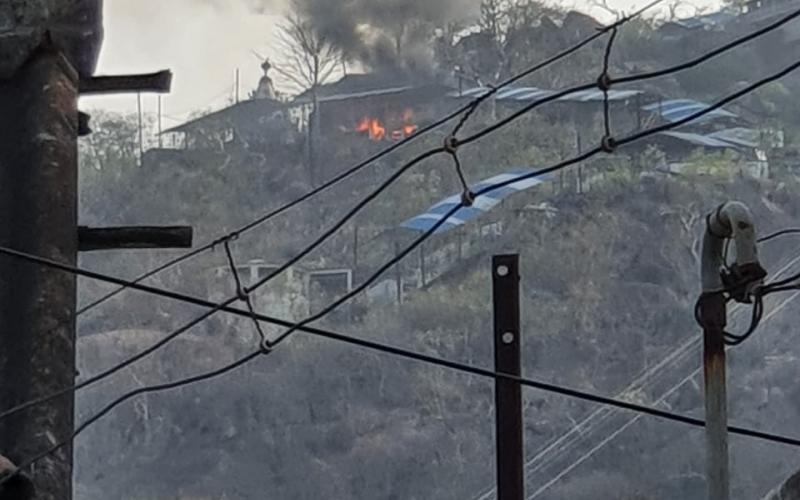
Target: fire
(378,131)
(373,127)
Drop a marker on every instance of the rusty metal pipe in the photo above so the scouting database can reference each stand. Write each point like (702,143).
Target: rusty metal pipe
(731,220)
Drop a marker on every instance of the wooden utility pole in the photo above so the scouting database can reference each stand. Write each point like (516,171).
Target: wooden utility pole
(38,215)
(508,393)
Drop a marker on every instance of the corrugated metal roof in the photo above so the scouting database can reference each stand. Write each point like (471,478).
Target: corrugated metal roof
(535,94)
(698,139)
(721,17)
(355,95)
(677,109)
(738,136)
(424,222)
(250,108)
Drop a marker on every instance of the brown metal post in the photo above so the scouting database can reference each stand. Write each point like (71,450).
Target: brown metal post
(713,317)
(508,394)
(38,215)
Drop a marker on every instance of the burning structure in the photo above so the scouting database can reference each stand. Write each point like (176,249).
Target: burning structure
(373,106)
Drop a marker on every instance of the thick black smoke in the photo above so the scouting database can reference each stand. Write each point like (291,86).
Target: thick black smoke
(384,33)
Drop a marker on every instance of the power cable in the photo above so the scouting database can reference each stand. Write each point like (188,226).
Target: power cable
(225,306)
(652,74)
(636,418)
(467,110)
(451,144)
(757,297)
(472,107)
(778,234)
(546,387)
(438,361)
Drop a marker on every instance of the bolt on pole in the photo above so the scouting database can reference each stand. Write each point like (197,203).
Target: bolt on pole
(508,393)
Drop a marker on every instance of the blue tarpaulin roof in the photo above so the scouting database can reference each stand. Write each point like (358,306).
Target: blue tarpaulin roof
(678,109)
(424,222)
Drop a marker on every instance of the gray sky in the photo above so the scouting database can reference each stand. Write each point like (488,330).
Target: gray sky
(203,42)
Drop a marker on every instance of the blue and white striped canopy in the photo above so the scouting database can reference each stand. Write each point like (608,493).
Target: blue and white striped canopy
(678,109)
(424,222)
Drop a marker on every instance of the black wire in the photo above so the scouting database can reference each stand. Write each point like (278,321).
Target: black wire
(709,55)
(469,108)
(460,172)
(225,306)
(246,298)
(526,382)
(647,75)
(278,211)
(143,390)
(214,307)
(758,297)
(564,391)
(604,79)
(778,234)
(758,312)
(467,111)
(390,350)
(141,278)
(472,107)
(731,97)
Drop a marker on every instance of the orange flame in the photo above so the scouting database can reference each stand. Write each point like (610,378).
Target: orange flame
(373,127)
(377,131)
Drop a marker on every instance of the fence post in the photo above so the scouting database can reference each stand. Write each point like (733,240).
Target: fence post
(508,394)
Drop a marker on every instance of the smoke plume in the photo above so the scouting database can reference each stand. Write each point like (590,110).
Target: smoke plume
(383,33)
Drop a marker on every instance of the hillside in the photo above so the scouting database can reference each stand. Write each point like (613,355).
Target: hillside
(609,282)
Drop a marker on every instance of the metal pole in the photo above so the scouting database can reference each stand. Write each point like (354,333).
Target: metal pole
(160,130)
(141,134)
(38,215)
(713,312)
(731,220)
(508,394)
(355,248)
(422,269)
(398,274)
(237,85)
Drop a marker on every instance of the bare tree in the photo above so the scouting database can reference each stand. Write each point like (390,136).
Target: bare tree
(309,58)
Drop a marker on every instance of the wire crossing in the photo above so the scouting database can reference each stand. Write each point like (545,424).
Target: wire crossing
(430,359)
(224,306)
(465,111)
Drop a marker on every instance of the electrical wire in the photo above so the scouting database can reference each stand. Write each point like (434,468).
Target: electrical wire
(225,306)
(778,234)
(303,324)
(466,111)
(473,138)
(637,417)
(629,139)
(758,294)
(472,107)
(653,74)
(589,424)
(526,382)
(108,408)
